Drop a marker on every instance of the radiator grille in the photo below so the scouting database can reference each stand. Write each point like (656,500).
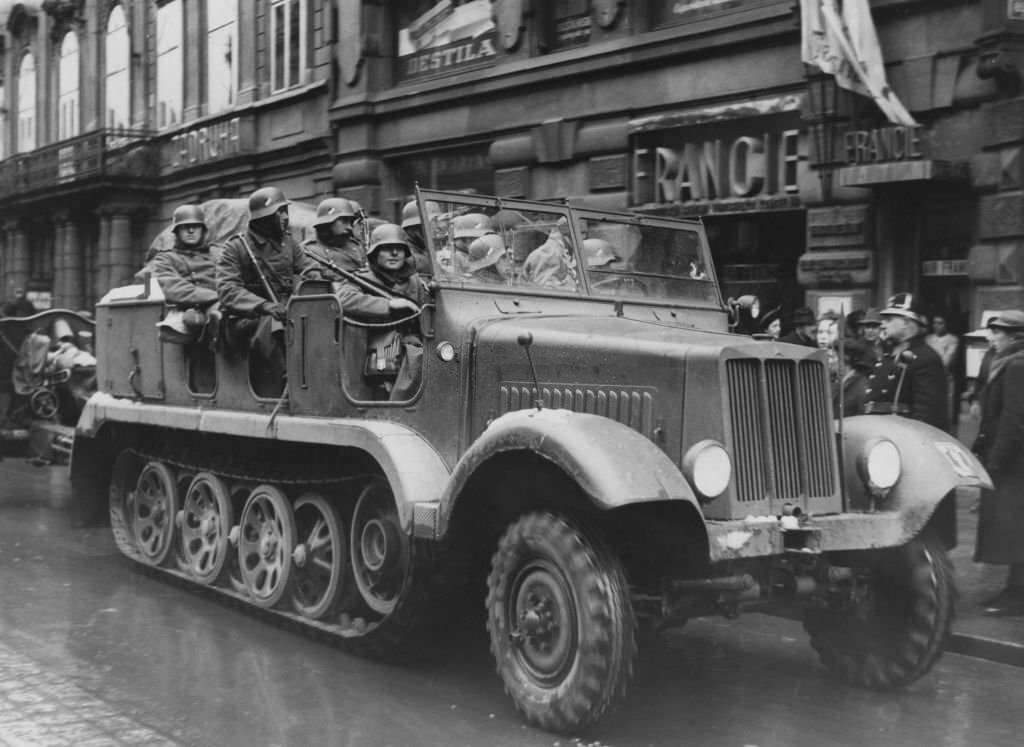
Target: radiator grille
(629,406)
(781,430)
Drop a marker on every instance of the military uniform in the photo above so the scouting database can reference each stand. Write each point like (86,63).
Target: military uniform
(349,256)
(922,394)
(239,285)
(188,277)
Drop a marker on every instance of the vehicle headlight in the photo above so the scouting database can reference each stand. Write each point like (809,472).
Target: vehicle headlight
(708,468)
(880,464)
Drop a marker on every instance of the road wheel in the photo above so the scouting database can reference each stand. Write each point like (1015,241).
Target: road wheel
(266,539)
(561,623)
(896,622)
(321,556)
(154,507)
(379,548)
(206,518)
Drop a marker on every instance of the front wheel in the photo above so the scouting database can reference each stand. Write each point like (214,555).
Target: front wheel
(894,623)
(561,624)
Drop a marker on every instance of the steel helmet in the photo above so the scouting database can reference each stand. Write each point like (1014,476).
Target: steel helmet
(411,212)
(265,201)
(333,208)
(388,234)
(470,226)
(188,215)
(485,251)
(598,253)
(906,305)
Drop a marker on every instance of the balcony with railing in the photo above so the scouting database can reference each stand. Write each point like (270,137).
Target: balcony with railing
(126,156)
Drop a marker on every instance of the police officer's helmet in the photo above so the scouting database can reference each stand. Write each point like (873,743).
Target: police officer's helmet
(471,226)
(411,212)
(388,234)
(598,253)
(188,215)
(333,208)
(906,305)
(265,201)
(485,251)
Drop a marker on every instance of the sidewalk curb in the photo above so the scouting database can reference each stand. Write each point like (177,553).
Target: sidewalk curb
(989,649)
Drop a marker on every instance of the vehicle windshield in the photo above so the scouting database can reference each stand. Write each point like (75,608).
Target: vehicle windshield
(520,245)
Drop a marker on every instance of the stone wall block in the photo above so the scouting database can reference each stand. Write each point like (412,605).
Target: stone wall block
(1001,215)
(1005,123)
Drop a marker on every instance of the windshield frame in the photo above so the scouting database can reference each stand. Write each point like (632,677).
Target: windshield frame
(575,215)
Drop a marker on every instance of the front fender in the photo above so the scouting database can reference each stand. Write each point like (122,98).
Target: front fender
(933,464)
(612,463)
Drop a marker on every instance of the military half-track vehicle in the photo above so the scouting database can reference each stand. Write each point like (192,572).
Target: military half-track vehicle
(586,439)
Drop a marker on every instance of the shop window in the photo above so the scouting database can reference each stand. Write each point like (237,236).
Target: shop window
(441,38)
(468,169)
(117,85)
(169,60)
(27,104)
(67,98)
(288,50)
(221,57)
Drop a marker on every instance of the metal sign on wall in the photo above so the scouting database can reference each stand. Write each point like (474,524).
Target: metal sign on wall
(208,143)
(446,39)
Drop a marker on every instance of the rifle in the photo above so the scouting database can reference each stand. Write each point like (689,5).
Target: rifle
(275,325)
(364,229)
(364,283)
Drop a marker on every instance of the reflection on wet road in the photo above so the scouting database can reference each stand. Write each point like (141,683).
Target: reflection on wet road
(94,652)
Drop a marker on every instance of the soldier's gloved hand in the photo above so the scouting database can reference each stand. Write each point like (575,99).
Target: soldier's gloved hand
(276,310)
(402,304)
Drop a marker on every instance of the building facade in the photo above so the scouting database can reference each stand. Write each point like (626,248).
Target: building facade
(696,108)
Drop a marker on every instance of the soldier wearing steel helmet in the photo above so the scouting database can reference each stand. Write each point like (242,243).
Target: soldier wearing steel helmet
(336,240)
(413,225)
(257,272)
(186,272)
(909,379)
(390,266)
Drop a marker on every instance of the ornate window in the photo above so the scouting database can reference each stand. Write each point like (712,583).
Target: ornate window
(169,61)
(118,76)
(221,55)
(67,78)
(288,43)
(27,104)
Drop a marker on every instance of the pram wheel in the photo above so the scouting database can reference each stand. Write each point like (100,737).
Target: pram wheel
(44,404)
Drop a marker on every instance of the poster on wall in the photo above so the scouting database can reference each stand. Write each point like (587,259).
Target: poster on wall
(447,38)
(667,12)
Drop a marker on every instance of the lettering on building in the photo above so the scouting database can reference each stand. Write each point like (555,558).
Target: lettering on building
(450,57)
(737,175)
(883,144)
(207,143)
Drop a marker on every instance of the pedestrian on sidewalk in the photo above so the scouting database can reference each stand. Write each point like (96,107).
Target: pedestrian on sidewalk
(1000,446)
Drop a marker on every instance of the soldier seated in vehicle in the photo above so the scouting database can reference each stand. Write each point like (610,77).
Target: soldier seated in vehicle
(336,242)
(257,271)
(487,260)
(552,263)
(413,226)
(187,276)
(395,352)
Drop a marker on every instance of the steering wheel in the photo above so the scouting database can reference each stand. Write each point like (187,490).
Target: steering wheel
(621,284)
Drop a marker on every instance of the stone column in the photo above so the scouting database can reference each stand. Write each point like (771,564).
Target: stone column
(59,279)
(74,288)
(122,264)
(18,264)
(101,259)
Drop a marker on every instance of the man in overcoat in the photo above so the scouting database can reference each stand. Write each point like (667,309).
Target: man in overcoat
(909,379)
(1000,446)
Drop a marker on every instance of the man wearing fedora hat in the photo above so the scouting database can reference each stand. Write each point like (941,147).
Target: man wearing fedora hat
(803,329)
(1000,446)
(910,379)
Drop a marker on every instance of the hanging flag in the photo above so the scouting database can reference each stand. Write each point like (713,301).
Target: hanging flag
(846,46)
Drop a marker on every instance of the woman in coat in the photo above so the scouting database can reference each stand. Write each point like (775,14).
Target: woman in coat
(1000,445)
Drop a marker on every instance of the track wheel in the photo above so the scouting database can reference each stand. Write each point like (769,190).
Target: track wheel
(206,518)
(561,623)
(266,541)
(153,509)
(894,622)
(379,547)
(320,556)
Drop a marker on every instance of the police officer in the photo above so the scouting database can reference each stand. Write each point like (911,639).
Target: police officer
(256,274)
(335,240)
(909,379)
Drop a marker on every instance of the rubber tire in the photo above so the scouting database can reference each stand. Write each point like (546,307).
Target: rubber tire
(888,652)
(605,635)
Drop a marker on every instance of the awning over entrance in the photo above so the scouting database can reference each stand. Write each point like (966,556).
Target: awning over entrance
(873,174)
